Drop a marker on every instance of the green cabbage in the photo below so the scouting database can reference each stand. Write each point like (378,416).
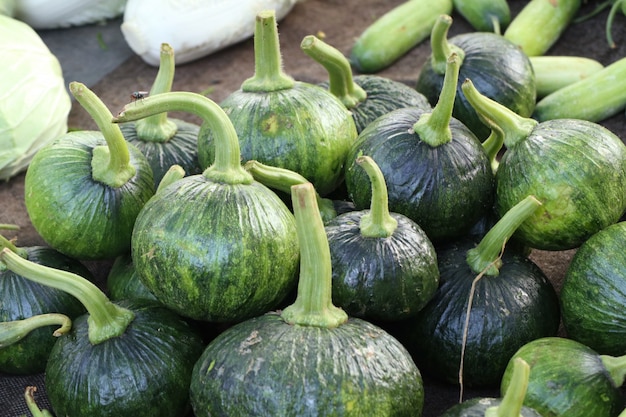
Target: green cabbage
(34,103)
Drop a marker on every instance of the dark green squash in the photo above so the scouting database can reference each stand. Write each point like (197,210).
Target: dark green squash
(512,303)
(569,379)
(285,123)
(84,190)
(366,96)
(576,168)
(384,267)
(485,15)
(130,358)
(497,66)
(123,281)
(21,299)
(163,140)
(509,405)
(310,359)
(217,246)
(593,293)
(436,170)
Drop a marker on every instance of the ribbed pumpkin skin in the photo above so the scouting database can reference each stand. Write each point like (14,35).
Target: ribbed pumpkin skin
(305,129)
(498,69)
(508,310)
(71,211)
(21,298)
(567,379)
(445,189)
(476,407)
(577,169)
(124,282)
(381,278)
(266,367)
(593,294)
(383,96)
(181,149)
(144,372)
(216,252)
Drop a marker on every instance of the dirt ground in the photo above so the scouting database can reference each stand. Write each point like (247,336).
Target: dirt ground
(340,22)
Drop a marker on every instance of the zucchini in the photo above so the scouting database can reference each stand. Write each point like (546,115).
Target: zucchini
(540,24)
(285,363)
(576,168)
(487,306)
(498,67)
(366,96)
(384,267)
(395,33)
(163,140)
(569,379)
(555,72)
(593,293)
(217,246)
(285,123)
(594,98)
(84,191)
(436,170)
(120,358)
(485,15)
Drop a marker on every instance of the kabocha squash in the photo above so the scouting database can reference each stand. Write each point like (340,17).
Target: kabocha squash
(216,246)
(310,359)
(123,281)
(21,299)
(509,405)
(497,66)
(436,170)
(487,306)
(593,292)
(384,267)
(285,123)
(569,379)
(366,96)
(576,168)
(163,140)
(84,190)
(127,358)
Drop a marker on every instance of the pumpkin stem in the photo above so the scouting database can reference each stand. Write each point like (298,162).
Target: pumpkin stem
(34,409)
(313,305)
(282,179)
(106,320)
(616,366)
(110,164)
(513,400)
(492,146)
(268,74)
(173,174)
(158,128)
(434,128)
(226,166)
(6,243)
(14,331)
(441,48)
(340,81)
(378,223)
(492,113)
(490,247)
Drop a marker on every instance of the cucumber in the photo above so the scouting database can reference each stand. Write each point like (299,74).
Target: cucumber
(395,33)
(555,72)
(485,15)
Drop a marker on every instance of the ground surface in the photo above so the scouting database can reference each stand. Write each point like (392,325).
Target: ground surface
(223,72)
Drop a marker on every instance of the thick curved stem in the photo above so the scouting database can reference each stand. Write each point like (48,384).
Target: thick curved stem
(13,331)
(106,319)
(441,48)
(268,70)
(616,366)
(226,166)
(158,128)
(29,398)
(340,81)
(313,305)
(173,174)
(6,243)
(513,126)
(378,223)
(513,400)
(111,163)
(492,146)
(434,128)
(485,255)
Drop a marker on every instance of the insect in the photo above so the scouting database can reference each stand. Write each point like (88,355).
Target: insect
(138,95)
